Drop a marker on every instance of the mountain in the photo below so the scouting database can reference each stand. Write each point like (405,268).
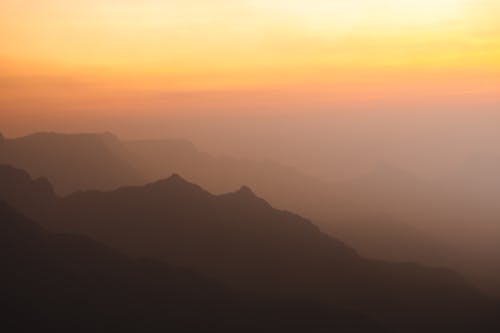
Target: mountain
(68,282)
(102,162)
(451,222)
(344,208)
(34,197)
(367,235)
(72,161)
(375,213)
(159,159)
(242,241)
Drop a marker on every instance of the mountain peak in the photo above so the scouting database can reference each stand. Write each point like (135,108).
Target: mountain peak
(245,190)
(177,183)
(176,178)
(245,196)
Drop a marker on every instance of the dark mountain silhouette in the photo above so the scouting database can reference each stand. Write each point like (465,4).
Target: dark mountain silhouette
(342,208)
(431,220)
(72,161)
(72,283)
(283,186)
(241,240)
(34,198)
(101,162)
(385,209)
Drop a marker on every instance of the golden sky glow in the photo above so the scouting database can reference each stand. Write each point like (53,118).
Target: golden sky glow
(362,48)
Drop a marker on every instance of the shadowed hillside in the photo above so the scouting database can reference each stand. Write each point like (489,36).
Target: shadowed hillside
(388,208)
(242,241)
(69,282)
(432,222)
(106,163)
(250,166)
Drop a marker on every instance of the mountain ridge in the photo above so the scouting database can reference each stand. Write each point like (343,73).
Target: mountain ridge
(421,213)
(67,282)
(262,250)
(90,161)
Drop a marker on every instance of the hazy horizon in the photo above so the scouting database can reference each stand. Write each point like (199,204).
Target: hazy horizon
(321,85)
(343,152)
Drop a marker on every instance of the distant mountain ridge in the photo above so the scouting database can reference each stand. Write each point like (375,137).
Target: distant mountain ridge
(72,161)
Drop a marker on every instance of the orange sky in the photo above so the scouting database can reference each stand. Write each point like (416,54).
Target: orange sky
(81,57)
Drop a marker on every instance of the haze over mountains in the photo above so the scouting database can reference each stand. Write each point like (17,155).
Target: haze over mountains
(242,241)
(440,223)
(71,162)
(250,166)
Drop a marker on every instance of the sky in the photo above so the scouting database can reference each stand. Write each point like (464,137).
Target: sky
(224,72)
(195,45)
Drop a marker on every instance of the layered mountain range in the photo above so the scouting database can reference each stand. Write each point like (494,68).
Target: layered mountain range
(67,282)
(240,240)
(446,223)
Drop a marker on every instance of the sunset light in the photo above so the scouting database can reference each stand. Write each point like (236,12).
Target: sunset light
(336,51)
(250,166)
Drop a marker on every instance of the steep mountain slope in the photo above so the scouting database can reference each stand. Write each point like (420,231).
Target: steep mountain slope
(385,209)
(432,221)
(342,206)
(101,162)
(71,283)
(241,240)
